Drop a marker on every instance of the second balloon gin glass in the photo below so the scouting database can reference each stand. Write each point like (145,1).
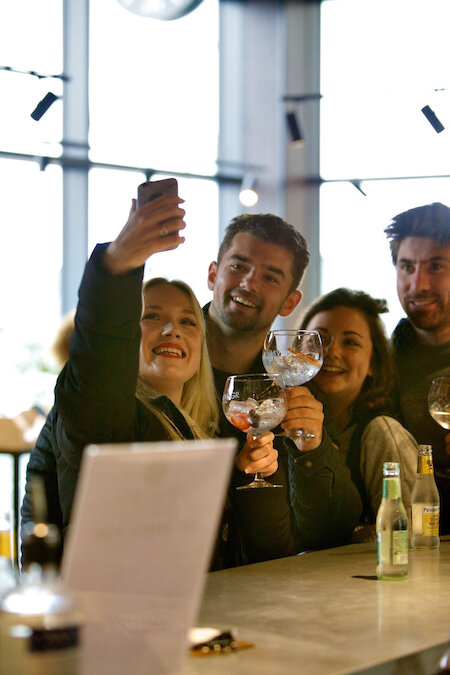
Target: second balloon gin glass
(439,401)
(293,357)
(255,404)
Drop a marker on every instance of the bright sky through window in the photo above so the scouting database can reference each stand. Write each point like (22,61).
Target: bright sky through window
(382,61)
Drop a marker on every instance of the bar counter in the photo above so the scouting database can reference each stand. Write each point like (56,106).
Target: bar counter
(325,612)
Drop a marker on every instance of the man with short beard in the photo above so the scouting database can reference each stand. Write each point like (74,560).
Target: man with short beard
(420,247)
(259,266)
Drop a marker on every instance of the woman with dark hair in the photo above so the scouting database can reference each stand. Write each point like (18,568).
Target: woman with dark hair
(356,385)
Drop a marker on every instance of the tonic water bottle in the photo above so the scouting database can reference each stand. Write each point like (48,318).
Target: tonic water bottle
(392,527)
(425,503)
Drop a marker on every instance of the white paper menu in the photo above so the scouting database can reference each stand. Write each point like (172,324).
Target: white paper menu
(143,527)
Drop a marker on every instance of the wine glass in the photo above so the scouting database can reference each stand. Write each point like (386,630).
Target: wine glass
(293,357)
(439,400)
(254,404)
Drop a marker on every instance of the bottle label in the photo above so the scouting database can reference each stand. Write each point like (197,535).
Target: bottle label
(430,521)
(424,464)
(392,547)
(391,488)
(400,547)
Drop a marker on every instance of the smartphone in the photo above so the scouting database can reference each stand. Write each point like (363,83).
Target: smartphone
(155,188)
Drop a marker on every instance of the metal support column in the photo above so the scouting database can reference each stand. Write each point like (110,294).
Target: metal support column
(75,146)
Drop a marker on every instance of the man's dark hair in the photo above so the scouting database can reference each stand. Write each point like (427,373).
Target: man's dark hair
(377,390)
(431,220)
(272,230)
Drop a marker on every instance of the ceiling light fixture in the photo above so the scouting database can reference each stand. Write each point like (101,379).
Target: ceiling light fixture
(166,10)
(357,184)
(248,195)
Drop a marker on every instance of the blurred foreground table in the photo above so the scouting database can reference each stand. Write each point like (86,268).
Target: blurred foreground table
(326,613)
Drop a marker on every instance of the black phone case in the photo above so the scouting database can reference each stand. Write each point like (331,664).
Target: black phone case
(154,189)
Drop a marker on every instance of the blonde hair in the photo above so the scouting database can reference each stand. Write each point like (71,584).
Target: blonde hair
(61,343)
(198,400)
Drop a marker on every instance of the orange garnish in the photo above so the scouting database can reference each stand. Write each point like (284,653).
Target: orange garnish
(242,422)
(305,357)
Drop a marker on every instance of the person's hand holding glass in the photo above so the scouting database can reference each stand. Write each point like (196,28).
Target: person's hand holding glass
(293,357)
(255,404)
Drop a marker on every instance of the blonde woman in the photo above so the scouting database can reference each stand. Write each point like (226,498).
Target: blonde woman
(138,368)
(195,397)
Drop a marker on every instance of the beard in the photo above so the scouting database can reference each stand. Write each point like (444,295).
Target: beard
(242,320)
(427,319)
(242,323)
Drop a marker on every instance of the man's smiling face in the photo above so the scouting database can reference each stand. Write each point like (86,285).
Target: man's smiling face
(251,284)
(423,284)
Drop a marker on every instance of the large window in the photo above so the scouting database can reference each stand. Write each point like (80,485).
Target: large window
(110,201)
(382,61)
(31,206)
(30,212)
(153,103)
(154,88)
(153,100)
(30,40)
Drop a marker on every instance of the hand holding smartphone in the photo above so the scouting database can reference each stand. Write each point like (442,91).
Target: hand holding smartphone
(133,245)
(153,189)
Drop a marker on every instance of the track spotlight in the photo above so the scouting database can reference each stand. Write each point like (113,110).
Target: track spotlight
(248,195)
(43,162)
(357,185)
(294,129)
(43,105)
(433,120)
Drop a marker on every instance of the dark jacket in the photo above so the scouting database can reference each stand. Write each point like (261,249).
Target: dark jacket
(95,398)
(317,506)
(416,367)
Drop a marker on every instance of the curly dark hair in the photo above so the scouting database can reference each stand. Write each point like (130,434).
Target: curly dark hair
(431,220)
(273,230)
(377,392)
